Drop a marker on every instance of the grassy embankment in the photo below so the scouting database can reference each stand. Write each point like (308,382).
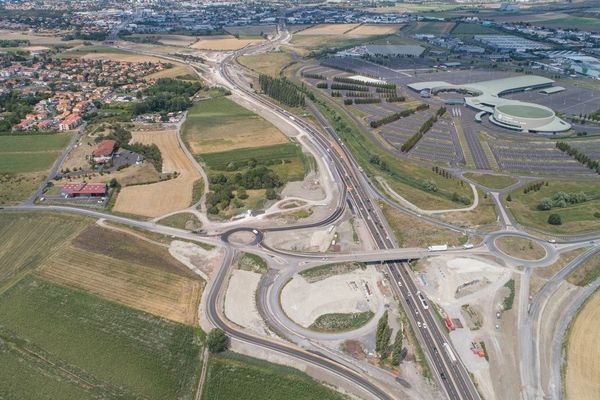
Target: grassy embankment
(341,322)
(232,376)
(321,272)
(231,140)
(492,181)
(520,247)
(576,218)
(182,221)
(24,160)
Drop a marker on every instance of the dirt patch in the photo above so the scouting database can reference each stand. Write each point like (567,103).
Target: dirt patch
(242,237)
(472,315)
(354,292)
(203,262)
(583,354)
(222,43)
(519,247)
(240,303)
(163,197)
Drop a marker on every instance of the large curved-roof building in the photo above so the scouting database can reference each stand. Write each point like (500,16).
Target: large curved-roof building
(511,114)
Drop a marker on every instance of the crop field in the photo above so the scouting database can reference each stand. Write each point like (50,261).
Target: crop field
(232,376)
(576,218)
(583,353)
(581,23)
(270,63)
(87,347)
(36,39)
(23,154)
(324,35)
(251,30)
(160,198)
(472,29)
(27,240)
(368,30)
(219,124)
(130,271)
(222,43)
(17,187)
(327,29)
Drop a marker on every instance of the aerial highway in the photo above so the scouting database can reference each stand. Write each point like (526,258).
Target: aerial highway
(448,369)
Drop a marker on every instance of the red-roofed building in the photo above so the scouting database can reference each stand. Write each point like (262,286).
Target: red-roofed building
(84,190)
(71,122)
(104,152)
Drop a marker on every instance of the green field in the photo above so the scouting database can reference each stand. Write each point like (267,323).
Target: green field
(570,22)
(339,322)
(209,113)
(235,377)
(285,159)
(26,240)
(23,154)
(93,347)
(472,29)
(577,218)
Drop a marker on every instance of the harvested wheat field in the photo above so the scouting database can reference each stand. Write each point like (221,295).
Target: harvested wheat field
(222,43)
(368,30)
(164,197)
(34,39)
(122,268)
(327,29)
(583,355)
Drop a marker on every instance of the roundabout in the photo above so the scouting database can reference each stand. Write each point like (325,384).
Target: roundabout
(500,242)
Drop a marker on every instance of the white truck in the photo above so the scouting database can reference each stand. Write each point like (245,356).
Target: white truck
(468,246)
(439,247)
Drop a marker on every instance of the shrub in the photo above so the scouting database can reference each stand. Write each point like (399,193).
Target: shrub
(554,219)
(217,341)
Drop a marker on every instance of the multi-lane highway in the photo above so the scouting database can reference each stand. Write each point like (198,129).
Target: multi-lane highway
(447,367)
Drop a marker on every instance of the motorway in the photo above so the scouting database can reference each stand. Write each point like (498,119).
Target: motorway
(447,368)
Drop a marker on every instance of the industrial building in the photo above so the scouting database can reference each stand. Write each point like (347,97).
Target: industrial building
(485,97)
(505,43)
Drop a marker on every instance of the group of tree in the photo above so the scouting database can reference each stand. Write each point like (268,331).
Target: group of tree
(381,164)
(313,76)
(396,116)
(562,200)
(217,341)
(442,172)
(349,86)
(322,85)
(579,156)
(166,95)
(222,187)
(122,136)
(14,108)
(395,99)
(367,101)
(281,89)
(359,94)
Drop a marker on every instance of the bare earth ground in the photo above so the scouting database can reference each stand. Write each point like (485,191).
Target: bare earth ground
(240,301)
(304,302)
(583,355)
(163,197)
(203,262)
(222,43)
(176,70)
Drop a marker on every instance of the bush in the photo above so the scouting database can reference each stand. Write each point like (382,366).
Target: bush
(554,219)
(217,341)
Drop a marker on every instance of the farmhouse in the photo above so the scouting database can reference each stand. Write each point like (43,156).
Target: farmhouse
(104,152)
(84,189)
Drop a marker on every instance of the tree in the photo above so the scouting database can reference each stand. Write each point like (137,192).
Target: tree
(508,198)
(271,194)
(114,183)
(382,338)
(554,219)
(397,350)
(217,341)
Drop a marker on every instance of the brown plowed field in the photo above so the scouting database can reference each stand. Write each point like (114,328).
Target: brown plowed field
(161,198)
(583,356)
(148,289)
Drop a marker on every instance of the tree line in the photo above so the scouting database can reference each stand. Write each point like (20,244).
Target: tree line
(382,85)
(396,116)
(122,136)
(414,139)
(166,95)
(579,156)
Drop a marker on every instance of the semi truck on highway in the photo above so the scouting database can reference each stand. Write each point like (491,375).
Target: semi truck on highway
(423,302)
(450,352)
(440,247)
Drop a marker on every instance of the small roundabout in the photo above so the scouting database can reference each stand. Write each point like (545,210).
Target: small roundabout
(243,236)
(521,248)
